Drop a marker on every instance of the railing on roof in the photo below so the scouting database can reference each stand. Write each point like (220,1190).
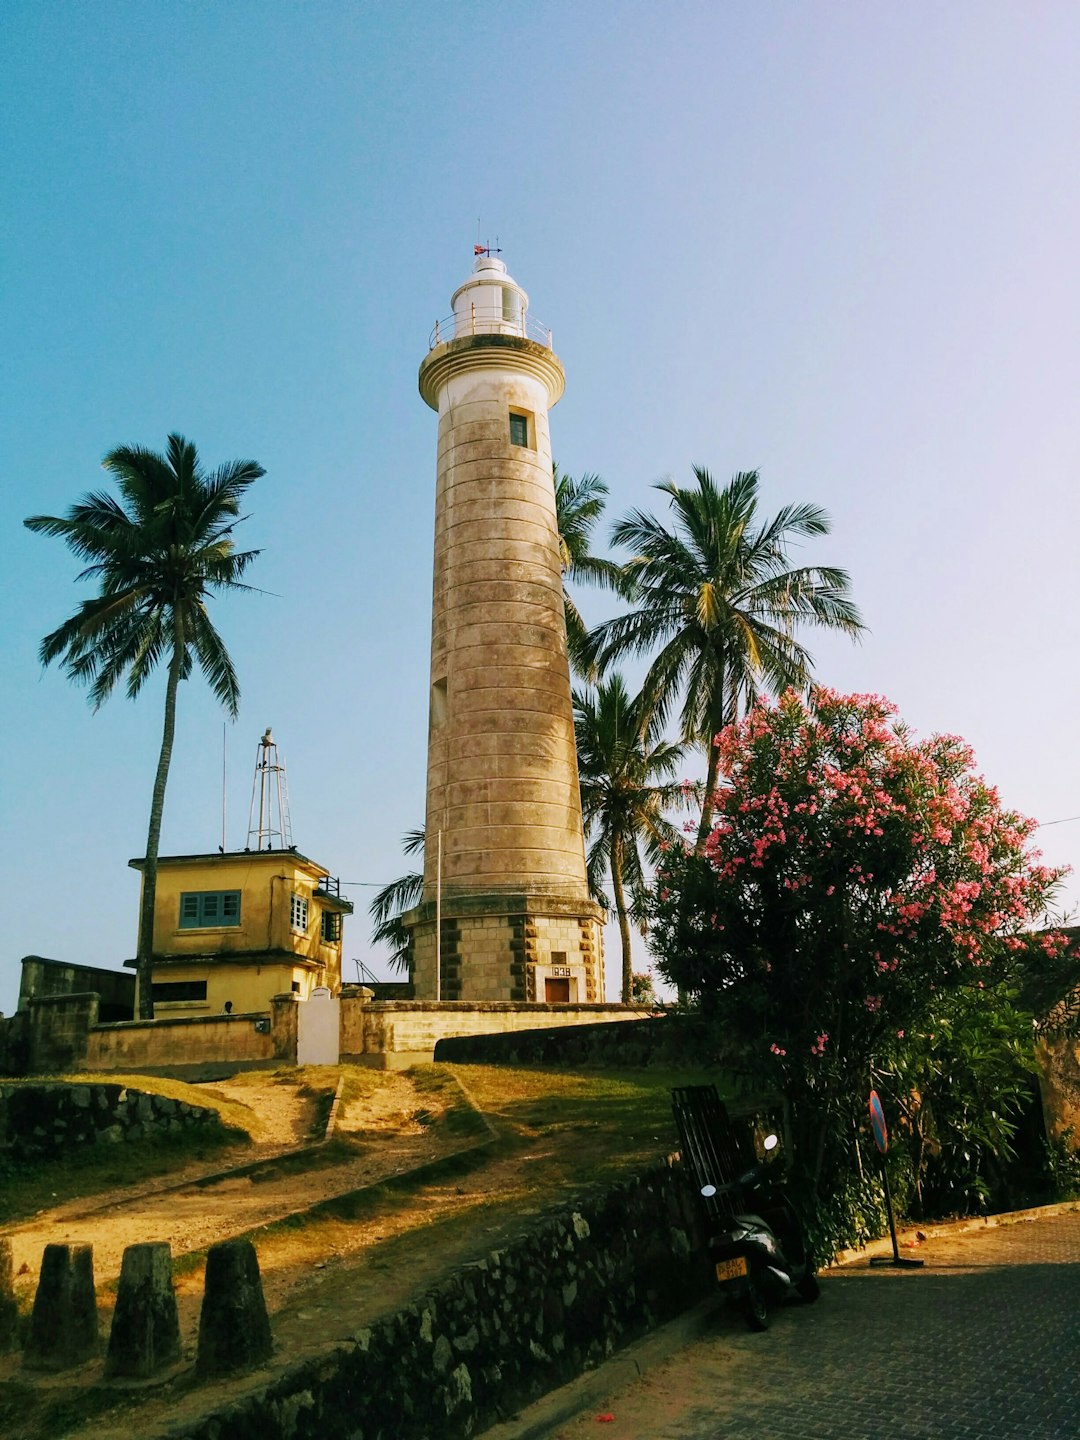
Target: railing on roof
(488,320)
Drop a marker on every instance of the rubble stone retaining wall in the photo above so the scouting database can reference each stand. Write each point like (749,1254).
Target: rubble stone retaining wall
(668,1040)
(45,1120)
(1059,1075)
(496,1334)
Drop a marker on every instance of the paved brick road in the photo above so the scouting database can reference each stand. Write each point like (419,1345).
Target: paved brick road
(984,1344)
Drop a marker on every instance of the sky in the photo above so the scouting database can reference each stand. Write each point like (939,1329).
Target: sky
(836,243)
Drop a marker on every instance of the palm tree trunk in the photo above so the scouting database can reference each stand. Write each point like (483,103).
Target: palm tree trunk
(144,953)
(716,724)
(624,923)
(712,767)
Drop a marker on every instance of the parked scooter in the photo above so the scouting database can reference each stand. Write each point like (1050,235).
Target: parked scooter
(756,1241)
(761,1256)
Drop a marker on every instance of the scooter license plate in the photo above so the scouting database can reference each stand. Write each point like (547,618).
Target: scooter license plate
(731,1269)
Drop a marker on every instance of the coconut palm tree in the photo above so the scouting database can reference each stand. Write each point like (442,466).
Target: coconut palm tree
(391,902)
(578,506)
(714,591)
(627,771)
(157,554)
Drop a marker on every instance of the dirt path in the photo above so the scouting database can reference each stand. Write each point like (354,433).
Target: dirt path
(324,1280)
(192,1214)
(283,1114)
(315,1304)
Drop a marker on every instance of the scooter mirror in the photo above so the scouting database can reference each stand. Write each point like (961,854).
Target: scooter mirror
(708,1191)
(770,1142)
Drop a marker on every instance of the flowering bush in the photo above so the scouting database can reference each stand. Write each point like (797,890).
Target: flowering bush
(852,875)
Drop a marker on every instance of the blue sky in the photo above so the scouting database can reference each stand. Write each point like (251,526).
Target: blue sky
(834,242)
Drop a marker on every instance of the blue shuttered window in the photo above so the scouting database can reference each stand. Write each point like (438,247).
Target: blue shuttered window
(206,908)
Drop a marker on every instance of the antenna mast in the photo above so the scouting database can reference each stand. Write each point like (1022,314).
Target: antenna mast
(269,825)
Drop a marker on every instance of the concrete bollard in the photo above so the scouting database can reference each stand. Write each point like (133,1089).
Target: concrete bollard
(145,1334)
(64,1322)
(9,1310)
(234,1329)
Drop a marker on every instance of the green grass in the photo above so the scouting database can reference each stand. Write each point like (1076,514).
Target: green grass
(623,1117)
(30,1185)
(454,1115)
(561,1132)
(27,1186)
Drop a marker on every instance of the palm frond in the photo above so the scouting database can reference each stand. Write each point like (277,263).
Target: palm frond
(214,660)
(392,901)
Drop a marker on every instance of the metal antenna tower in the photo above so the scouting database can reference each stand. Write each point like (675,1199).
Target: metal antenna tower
(269,825)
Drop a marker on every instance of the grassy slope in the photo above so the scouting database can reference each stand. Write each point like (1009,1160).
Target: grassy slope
(555,1132)
(32,1185)
(575,1127)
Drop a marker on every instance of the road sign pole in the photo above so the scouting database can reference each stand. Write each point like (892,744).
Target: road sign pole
(881,1140)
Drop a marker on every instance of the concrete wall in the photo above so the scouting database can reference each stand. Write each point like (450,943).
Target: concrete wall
(410,1029)
(589,1278)
(43,977)
(15,1044)
(47,1120)
(59,1027)
(182,1046)
(392,1034)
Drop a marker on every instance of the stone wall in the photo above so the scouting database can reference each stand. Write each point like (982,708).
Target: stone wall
(41,1121)
(495,1335)
(1059,1078)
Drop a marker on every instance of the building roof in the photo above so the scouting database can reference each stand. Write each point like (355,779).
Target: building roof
(218,856)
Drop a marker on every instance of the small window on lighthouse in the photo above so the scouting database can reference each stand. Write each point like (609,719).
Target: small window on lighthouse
(519,429)
(438,702)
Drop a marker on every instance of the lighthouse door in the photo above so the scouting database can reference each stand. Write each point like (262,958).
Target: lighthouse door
(557,990)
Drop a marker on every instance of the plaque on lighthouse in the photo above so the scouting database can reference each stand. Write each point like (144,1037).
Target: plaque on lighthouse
(506,912)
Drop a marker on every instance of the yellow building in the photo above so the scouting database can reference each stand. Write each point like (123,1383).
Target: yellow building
(237,928)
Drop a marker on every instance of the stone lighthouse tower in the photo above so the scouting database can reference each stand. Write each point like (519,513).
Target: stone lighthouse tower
(506,913)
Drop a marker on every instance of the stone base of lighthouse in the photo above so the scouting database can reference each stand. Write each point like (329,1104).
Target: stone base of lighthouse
(521,948)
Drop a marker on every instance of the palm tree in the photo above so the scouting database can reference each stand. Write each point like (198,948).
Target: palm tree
(156,554)
(388,906)
(578,506)
(716,594)
(627,780)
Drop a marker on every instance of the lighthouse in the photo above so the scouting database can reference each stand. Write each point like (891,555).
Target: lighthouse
(506,913)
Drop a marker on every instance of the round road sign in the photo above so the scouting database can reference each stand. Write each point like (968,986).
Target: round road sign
(877,1122)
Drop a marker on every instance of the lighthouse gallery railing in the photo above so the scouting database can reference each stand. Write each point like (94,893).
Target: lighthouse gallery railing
(487,320)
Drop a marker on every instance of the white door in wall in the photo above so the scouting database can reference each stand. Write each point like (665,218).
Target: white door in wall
(318,1032)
